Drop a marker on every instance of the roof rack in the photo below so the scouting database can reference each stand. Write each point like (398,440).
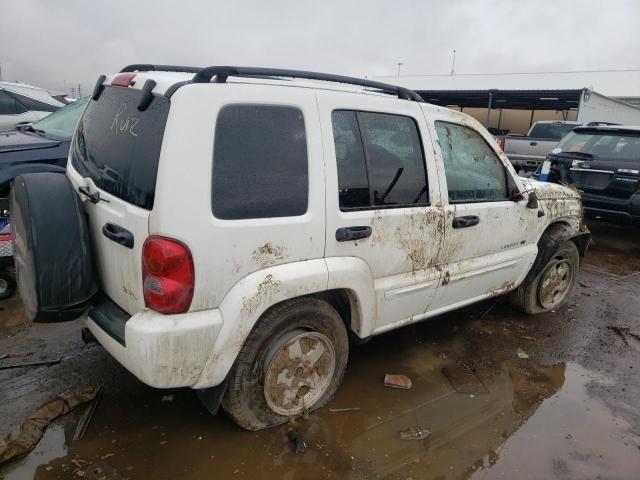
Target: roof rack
(147,67)
(222,73)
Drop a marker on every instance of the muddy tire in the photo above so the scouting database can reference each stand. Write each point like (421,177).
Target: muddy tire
(7,284)
(51,247)
(293,361)
(550,287)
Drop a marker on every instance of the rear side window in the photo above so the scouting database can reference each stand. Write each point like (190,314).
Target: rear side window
(551,130)
(380,160)
(473,170)
(259,163)
(9,105)
(118,146)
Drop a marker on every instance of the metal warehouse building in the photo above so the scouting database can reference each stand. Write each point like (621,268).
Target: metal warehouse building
(513,101)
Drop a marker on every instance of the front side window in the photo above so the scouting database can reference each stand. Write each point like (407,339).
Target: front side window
(380,160)
(260,166)
(473,170)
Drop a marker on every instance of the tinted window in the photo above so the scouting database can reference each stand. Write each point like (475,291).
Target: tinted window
(602,144)
(260,163)
(25,103)
(118,146)
(551,130)
(353,183)
(9,105)
(380,160)
(473,170)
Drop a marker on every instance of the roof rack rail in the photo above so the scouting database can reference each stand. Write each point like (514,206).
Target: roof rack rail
(147,67)
(221,73)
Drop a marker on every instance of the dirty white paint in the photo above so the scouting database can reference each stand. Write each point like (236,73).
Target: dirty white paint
(164,351)
(414,265)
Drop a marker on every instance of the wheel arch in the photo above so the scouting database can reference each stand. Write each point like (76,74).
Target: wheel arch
(556,233)
(253,296)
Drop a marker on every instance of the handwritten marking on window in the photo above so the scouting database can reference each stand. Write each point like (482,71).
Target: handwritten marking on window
(124,123)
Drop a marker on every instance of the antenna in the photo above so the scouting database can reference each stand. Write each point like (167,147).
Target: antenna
(453,63)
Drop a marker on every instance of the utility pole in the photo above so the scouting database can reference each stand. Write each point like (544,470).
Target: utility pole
(0,72)
(453,64)
(72,92)
(399,65)
(79,91)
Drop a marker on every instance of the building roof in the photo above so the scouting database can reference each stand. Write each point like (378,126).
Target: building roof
(612,83)
(516,99)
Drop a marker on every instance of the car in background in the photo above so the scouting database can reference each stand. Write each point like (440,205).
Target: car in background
(527,152)
(21,103)
(39,147)
(603,161)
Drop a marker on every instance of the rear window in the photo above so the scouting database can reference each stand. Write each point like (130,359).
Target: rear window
(118,146)
(553,131)
(259,163)
(602,145)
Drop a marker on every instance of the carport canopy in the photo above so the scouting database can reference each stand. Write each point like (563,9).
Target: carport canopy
(559,100)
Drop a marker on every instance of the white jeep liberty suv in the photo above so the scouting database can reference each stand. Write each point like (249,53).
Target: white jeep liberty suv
(225,228)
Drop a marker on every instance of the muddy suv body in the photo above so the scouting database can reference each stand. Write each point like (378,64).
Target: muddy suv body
(240,228)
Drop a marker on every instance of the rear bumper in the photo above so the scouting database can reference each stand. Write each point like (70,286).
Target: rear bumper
(163,351)
(624,210)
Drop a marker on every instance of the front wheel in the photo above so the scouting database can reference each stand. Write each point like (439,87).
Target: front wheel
(550,288)
(292,362)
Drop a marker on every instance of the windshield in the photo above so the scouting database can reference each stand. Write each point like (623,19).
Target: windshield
(551,130)
(60,125)
(618,146)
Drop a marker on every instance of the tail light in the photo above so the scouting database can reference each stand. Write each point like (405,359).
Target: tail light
(167,275)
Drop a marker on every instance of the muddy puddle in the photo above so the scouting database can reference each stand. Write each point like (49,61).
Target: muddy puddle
(480,423)
(495,395)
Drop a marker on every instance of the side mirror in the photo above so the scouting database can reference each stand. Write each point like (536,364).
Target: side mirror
(23,126)
(533,200)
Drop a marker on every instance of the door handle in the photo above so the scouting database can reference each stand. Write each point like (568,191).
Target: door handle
(533,144)
(118,234)
(466,221)
(347,234)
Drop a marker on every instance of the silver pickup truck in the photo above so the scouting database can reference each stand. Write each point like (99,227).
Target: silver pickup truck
(526,152)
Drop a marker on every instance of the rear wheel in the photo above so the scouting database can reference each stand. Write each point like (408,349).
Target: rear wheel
(293,362)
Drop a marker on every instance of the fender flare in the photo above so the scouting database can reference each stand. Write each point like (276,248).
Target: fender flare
(247,301)
(550,241)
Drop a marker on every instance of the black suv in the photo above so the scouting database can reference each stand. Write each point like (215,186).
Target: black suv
(604,163)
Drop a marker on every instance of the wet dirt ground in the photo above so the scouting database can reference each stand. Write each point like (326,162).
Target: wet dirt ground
(496,394)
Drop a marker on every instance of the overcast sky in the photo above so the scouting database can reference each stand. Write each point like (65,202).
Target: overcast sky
(63,42)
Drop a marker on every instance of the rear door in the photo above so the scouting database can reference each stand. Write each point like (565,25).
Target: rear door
(114,157)
(382,199)
(489,246)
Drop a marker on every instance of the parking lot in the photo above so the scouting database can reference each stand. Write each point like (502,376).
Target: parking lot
(495,394)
